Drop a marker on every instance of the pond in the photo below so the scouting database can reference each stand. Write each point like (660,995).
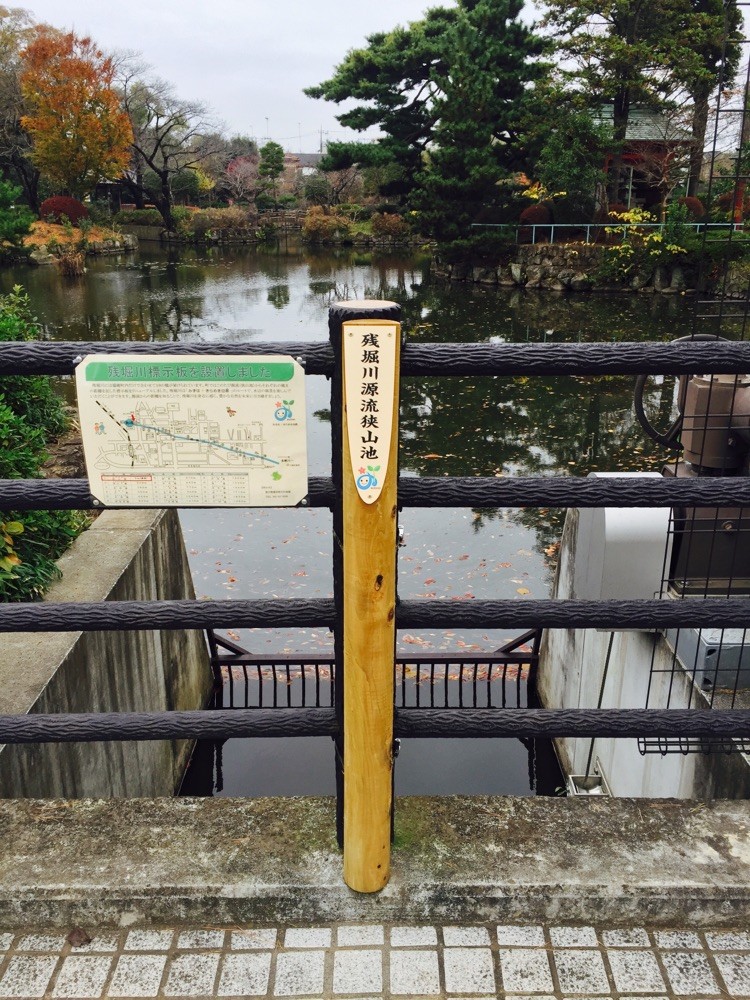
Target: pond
(486,426)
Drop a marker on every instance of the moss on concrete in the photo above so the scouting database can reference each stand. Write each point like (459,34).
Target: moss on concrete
(225,861)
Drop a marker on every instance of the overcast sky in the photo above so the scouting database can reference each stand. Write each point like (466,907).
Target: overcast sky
(248,59)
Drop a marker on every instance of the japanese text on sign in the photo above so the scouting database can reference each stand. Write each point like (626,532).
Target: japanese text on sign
(370,387)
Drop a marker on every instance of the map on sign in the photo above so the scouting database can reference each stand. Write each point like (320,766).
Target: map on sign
(193,431)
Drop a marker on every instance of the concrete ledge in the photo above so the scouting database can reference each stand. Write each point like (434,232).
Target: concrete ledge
(228,861)
(125,555)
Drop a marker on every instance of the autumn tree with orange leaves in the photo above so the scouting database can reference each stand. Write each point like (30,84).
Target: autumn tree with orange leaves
(79,131)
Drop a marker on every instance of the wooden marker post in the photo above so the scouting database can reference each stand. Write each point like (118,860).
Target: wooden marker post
(370,342)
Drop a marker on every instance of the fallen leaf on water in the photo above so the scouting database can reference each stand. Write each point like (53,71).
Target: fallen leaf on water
(429,580)
(505,565)
(432,456)
(522,590)
(462,558)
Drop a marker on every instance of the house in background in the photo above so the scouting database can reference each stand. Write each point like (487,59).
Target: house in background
(297,167)
(655,156)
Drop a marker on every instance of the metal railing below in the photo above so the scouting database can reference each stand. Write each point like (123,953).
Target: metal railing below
(500,679)
(596,232)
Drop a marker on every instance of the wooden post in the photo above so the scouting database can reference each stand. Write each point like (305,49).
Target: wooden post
(370,342)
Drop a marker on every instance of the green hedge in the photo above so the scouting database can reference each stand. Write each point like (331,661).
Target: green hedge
(30,414)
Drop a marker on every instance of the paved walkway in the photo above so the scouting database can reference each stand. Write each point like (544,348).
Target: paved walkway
(371,961)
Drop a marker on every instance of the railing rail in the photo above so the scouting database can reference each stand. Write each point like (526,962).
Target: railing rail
(581,232)
(453,491)
(120,616)
(90,727)
(436,359)
(449,360)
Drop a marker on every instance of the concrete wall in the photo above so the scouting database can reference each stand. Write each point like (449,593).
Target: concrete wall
(125,555)
(570,674)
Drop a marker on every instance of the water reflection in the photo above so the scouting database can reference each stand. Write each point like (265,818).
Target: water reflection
(487,426)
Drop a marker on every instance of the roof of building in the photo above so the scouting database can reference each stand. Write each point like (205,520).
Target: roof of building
(645,125)
(309,159)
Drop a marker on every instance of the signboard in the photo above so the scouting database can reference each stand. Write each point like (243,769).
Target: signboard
(370,389)
(193,431)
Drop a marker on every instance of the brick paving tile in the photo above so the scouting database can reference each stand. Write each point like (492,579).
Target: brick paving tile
(415,973)
(191,975)
(573,937)
(245,975)
(82,977)
(531,996)
(137,976)
(678,939)
(299,973)
(529,936)
(149,940)
(406,937)
(632,937)
(308,937)
(735,971)
(99,942)
(27,976)
(194,940)
(362,935)
(525,970)
(250,939)
(358,971)
(465,937)
(375,961)
(468,970)
(41,942)
(581,971)
(728,940)
(689,972)
(635,971)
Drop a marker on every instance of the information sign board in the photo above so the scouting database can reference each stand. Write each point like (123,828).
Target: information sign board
(193,430)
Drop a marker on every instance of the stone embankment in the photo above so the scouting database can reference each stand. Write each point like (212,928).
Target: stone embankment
(119,243)
(565,268)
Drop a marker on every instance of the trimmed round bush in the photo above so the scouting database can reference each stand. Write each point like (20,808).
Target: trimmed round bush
(60,206)
(387,224)
(538,214)
(694,206)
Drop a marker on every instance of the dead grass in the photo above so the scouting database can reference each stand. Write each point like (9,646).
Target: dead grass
(43,232)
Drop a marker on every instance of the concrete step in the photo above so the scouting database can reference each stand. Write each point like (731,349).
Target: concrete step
(223,862)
